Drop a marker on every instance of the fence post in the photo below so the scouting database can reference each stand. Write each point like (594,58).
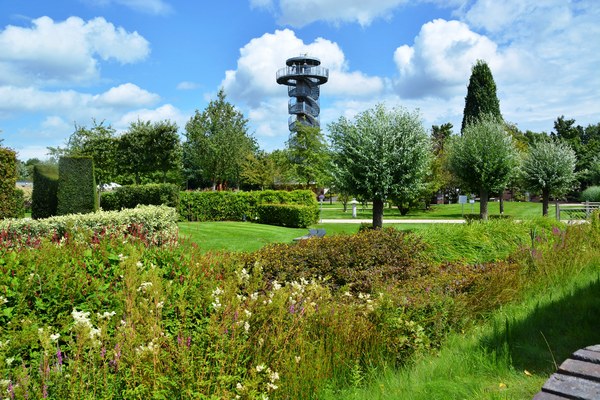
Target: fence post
(557,211)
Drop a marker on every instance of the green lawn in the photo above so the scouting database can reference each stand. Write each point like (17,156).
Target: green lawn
(248,236)
(518,210)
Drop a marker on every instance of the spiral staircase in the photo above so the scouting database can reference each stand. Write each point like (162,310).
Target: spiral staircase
(303,75)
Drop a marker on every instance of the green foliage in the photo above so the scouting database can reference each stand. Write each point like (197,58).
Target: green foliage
(308,154)
(237,206)
(383,154)
(369,259)
(591,194)
(44,198)
(217,144)
(484,158)
(154,224)
(549,167)
(481,99)
(150,194)
(148,148)
(290,215)
(77,192)
(9,206)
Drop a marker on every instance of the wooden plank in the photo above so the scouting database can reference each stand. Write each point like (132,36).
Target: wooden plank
(587,355)
(582,369)
(572,387)
(548,396)
(593,348)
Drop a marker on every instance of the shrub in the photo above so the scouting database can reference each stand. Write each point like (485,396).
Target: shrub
(153,224)
(236,206)
(591,194)
(8,181)
(290,215)
(371,257)
(130,196)
(76,186)
(44,198)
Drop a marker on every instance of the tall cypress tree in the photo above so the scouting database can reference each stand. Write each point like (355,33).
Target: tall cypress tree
(481,95)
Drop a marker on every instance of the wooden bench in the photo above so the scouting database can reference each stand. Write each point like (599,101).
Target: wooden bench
(577,378)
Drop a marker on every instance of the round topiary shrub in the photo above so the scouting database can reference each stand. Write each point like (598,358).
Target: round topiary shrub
(591,194)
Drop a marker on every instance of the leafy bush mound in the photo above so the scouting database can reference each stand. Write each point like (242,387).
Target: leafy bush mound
(132,195)
(290,215)
(153,224)
(591,194)
(237,206)
(360,262)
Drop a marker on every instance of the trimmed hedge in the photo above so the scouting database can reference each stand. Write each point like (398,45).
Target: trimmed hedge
(44,197)
(591,194)
(237,206)
(154,224)
(290,215)
(77,191)
(8,181)
(130,196)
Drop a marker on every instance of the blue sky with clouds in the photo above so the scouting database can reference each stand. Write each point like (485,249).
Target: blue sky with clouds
(70,61)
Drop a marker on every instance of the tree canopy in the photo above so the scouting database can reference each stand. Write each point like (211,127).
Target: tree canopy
(217,144)
(549,167)
(484,158)
(382,154)
(308,154)
(481,99)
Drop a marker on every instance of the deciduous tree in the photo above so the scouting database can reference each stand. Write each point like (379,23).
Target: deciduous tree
(382,154)
(549,167)
(484,158)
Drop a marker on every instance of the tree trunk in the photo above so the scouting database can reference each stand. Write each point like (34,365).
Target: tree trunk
(483,205)
(377,213)
(545,201)
(502,202)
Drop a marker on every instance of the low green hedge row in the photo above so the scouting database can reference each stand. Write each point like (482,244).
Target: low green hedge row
(154,224)
(132,195)
(290,215)
(592,193)
(44,198)
(237,206)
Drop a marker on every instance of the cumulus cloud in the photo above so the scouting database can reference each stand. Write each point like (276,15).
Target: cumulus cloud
(164,112)
(76,105)
(50,52)
(187,85)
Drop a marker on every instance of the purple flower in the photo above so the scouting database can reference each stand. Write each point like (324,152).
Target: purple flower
(189,342)
(292,309)
(103,352)
(59,356)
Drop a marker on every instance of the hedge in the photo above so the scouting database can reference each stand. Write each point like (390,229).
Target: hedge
(132,195)
(77,191)
(8,181)
(290,215)
(44,197)
(154,224)
(592,193)
(237,206)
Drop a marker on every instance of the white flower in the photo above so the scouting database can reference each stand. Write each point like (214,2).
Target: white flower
(9,361)
(218,291)
(254,296)
(248,313)
(139,264)
(274,376)
(260,367)
(276,285)
(243,275)
(122,257)
(261,341)
(54,337)
(3,300)
(106,315)
(160,304)
(271,386)
(144,286)
(216,304)
(297,358)
(246,326)
(239,386)
(347,294)
(2,344)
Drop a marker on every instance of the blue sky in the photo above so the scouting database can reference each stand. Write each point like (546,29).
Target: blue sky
(70,61)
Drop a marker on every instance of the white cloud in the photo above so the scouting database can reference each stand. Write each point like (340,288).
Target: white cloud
(165,112)
(126,95)
(439,62)
(50,52)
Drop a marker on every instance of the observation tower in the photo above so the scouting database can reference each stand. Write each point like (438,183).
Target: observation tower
(303,76)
